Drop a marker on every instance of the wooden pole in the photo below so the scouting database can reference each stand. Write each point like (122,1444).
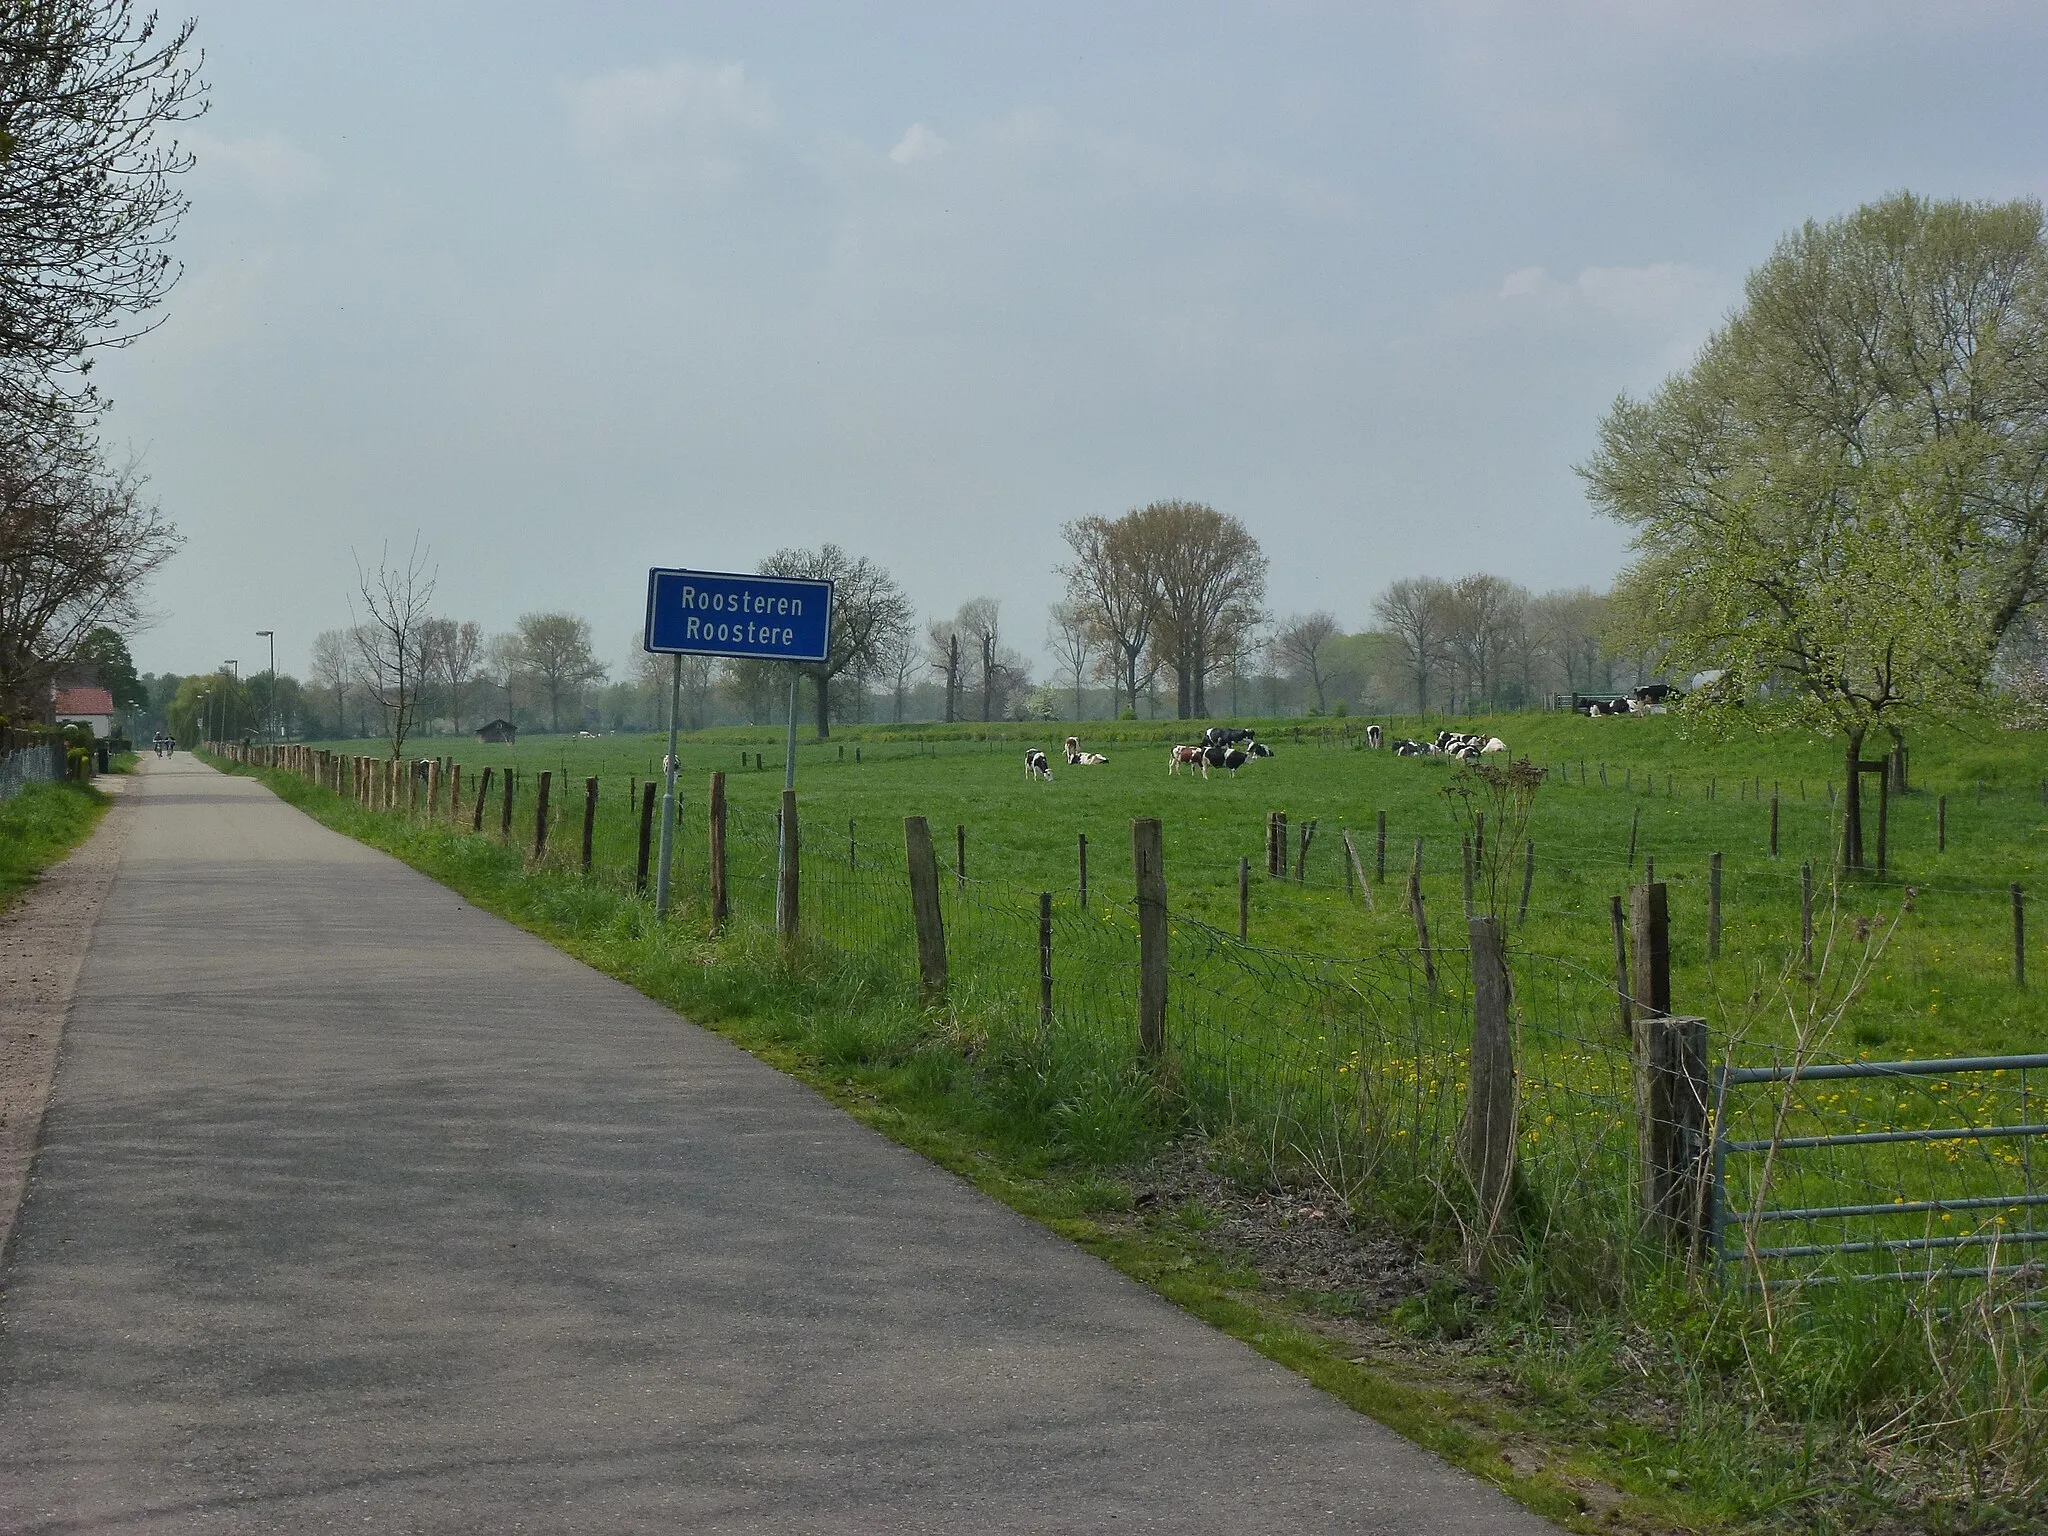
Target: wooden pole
(1677,1155)
(1486,1137)
(1774,823)
(1884,811)
(1421,918)
(1468,879)
(1714,906)
(2019,937)
(1379,861)
(1528,880)
(714,822)
(1244,898)
(483,793)
(646,835)
(1356,866)
(434,789)
(1308,835)
(1806,918)
(1621,978)
(589,819)
(925,913)
(505,816)
(960,857)
(1148,859)
(786,887)
(1045,960)
(540,816)
(1633,817)
(455,793)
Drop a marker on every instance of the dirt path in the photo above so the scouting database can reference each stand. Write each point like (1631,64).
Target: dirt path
(358,1207)
(43,940)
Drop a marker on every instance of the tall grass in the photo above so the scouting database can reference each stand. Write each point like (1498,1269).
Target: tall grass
(38,827)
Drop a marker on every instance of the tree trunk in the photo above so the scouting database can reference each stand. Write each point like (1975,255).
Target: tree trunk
(952,675)
(1852,805)
(1184,696)
(824,705)
(988,676)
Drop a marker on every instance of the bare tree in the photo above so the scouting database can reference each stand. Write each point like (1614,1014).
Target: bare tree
(1301,648)
(943,637)
(334,670)
(77,545)
(1210,575)
(867,609)
(1074,643)
(1483,623)
(396,601)
(554,650)
(454,654)
(1111,580)
(1415,613)
(653,672)
(898,660)
(88,200)
(1566,629)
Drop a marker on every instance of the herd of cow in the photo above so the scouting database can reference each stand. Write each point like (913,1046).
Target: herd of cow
(1458,744)
(1228,747)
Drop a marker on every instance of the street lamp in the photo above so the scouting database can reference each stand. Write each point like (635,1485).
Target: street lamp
(205,721)
(271,719)
(225,696)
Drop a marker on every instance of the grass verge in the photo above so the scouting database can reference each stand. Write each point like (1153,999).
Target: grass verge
(1608,1425)
(40,826)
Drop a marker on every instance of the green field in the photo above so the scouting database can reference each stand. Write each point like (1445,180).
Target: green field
(1943,984)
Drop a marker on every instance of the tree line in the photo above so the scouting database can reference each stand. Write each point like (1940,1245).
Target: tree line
(89,203)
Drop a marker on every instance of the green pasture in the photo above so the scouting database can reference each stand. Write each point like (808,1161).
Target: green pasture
(1941,982)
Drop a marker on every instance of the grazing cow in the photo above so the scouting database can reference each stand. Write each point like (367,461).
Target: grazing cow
(1372,737)
(1036,767)
(1076,758)
(1257,749)
(1229,758)
(1185,755)
(1225,735)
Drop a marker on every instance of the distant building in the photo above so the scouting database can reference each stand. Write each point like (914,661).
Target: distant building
(498,733)
(92,707)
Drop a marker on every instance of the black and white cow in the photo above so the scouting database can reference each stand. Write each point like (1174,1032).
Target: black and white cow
(1225,735)
(1036,767)
(1372,737)
(1076,758)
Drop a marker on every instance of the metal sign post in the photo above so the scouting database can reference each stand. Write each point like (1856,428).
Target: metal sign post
(736,616)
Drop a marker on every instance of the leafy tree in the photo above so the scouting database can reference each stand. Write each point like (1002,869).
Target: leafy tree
(106,653)
(1843,502)
(1416,613)
(554,650)
(868,611)
(1111,583)
(88,196)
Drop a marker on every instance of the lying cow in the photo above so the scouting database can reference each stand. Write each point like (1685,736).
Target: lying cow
(1076,758)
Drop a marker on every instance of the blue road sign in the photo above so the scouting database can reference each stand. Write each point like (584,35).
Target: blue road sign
(717,613)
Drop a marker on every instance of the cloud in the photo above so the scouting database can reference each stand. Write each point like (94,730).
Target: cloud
(918,143)
(695,118)
(267,164)
(1658,296)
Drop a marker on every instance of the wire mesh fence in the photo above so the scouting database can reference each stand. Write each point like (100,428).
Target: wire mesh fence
(23,766)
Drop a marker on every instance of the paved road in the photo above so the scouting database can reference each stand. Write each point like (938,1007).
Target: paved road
(360,1209)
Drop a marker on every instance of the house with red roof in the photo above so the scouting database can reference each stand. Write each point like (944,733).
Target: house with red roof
(86,706)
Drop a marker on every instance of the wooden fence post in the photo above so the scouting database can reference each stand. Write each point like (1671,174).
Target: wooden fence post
(434,790)
(1774,823)
(1677,1157)
(1714,905)
(1379,863)
(589,819)
(1468,880)
(1244,898)
(1650,935)
(540,816)
(1045,960)
(1148,858)
(714,822)
(1634,817)
(1528,880)
(1421,918)
(960,857)
(646,835)
(1884,814)
(1621,977)
(925,911)
(786,875)
(1308,835)
(1486,1138)
(2019,937)
(455,794)
(505,815)
(1357,868)
(1084,870)
(1806,917)
(483,793)
(1276,844)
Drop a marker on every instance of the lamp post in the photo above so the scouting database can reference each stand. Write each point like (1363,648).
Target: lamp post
(204,723)
(270,717)
(235,671)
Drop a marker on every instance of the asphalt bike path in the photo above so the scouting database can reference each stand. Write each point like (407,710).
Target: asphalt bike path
(358,1208)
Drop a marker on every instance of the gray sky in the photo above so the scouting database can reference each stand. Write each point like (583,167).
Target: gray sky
(573,290)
